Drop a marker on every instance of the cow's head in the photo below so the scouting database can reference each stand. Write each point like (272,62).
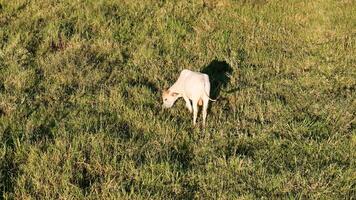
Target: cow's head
(169,98)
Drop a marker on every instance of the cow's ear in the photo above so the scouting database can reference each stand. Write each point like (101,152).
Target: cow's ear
(174,94)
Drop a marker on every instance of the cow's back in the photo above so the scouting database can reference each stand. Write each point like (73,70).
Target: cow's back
(193,84)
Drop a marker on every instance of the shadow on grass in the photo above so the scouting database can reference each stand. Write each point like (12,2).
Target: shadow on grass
(84,177)
(182,155)
(126,131)
(219,75)
(144,82)
(8,167)
(8,173)
(43,133)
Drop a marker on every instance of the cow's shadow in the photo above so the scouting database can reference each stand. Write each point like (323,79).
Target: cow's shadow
(219,73)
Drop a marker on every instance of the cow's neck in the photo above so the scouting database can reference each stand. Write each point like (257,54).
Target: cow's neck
(177,87)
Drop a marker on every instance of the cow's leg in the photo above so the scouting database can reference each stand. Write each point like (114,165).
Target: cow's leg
(195,111)
(187,103)
(205,109)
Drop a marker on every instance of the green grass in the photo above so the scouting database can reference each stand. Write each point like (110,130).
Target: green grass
(80,100)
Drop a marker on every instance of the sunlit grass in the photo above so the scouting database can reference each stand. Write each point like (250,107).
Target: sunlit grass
(80,100)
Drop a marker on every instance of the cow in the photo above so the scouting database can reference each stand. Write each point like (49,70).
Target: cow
(194,86)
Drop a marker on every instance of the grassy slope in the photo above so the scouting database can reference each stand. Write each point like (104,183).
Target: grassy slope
(80,111)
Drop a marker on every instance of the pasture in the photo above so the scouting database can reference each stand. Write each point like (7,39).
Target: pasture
(80,99)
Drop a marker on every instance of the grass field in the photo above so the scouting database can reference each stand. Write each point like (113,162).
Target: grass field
(80,99)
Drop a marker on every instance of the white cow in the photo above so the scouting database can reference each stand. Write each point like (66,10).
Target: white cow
(193,86)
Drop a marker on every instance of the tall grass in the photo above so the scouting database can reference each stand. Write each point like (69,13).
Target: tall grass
(80,105)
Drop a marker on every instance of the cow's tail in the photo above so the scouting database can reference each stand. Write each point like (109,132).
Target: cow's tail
(206,91)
